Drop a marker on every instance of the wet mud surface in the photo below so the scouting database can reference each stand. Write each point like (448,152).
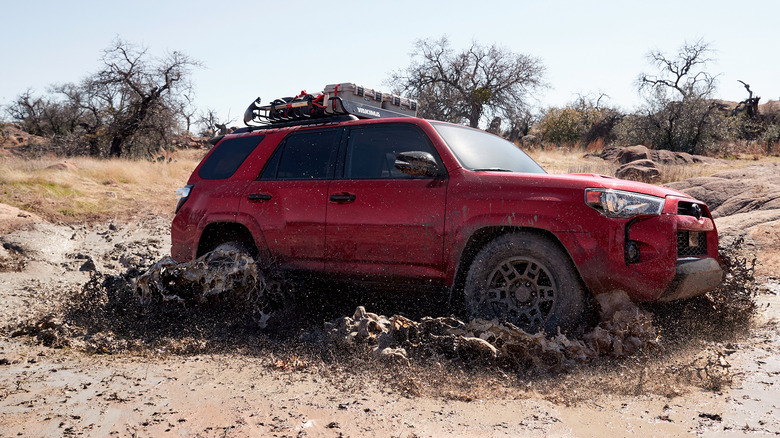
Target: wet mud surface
(93,342)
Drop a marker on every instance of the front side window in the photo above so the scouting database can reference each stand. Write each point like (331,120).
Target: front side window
(372,150)
(303,156)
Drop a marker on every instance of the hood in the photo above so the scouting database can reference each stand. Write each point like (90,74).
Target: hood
(623,184)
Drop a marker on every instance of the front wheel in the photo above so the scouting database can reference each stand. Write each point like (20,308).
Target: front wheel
(527,280)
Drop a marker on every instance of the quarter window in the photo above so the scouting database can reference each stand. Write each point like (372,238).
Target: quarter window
(228,157)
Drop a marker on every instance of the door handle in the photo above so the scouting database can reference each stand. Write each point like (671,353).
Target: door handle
(259,197)
(342,198)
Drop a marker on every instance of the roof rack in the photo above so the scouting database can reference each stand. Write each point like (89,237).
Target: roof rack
(307,107)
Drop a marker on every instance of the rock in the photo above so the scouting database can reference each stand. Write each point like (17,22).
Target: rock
(67,166)
(610,152)
(641,170)
(736,191)
(88,266)
(661,156)
(632,154)
(528,141)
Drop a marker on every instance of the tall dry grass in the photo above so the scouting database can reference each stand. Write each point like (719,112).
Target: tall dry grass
(87,189)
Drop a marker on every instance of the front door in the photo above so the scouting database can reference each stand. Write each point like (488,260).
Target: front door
(381,222)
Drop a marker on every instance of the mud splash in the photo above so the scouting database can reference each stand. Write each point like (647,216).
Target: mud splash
(194,307)
(218,274)
(624,330)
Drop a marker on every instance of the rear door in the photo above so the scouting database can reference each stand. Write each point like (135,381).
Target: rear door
(381,222)
(288,200)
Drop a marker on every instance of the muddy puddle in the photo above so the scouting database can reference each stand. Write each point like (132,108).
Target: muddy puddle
(221,303)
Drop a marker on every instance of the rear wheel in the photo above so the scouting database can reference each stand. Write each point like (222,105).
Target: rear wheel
(271,300)
(527,280)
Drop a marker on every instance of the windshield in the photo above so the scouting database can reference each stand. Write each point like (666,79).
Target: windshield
(479,150)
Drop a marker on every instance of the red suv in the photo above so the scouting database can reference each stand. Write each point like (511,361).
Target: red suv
(437,206)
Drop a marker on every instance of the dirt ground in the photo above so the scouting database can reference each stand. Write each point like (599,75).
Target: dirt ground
(193,372)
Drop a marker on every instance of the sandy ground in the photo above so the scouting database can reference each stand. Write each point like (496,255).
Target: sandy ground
(259,387)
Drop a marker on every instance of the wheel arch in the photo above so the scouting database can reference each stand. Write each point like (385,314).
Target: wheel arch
(217,233)
(482,237)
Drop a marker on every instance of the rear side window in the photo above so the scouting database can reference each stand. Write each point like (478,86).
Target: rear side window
(303,156)
(228,157)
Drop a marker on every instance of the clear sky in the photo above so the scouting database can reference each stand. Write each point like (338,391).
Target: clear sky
(277,48)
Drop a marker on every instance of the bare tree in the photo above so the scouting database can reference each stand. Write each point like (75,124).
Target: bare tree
(137,88)
(475,85)
(681,75)
(749,105)
(130,106)
(679,114)
(211,124)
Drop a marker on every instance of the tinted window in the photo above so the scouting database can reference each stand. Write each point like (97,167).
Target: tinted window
(371,150)
(228,156)
(479,150)
(306,155)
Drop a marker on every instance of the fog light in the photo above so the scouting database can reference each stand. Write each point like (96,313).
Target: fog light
(632,252)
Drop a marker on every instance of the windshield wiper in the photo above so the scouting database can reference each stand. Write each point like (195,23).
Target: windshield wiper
(491,169)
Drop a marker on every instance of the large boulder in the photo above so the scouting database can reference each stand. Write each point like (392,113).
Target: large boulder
(640,170)
(745,203)
(633,153)
(662,156)
(736,191)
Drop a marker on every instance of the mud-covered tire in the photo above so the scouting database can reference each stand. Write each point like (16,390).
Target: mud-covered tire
(527,280)
(233,246)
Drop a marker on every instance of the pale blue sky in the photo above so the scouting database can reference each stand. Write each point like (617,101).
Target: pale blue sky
(274,49)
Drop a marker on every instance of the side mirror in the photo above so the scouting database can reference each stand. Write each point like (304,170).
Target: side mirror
(418,163)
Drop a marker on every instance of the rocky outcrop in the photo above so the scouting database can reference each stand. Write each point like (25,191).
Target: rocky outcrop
(64,165)
(736,191)
(639,170)
(641,163)
(639,152)
(745,203)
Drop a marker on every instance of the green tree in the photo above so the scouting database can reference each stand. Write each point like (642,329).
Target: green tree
(583,121)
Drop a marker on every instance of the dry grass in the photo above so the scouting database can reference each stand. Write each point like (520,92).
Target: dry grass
(95,189)
(572,160)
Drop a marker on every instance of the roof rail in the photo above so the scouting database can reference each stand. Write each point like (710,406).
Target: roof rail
(307,107)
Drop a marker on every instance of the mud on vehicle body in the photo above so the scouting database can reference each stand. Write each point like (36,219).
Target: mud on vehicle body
(338,186)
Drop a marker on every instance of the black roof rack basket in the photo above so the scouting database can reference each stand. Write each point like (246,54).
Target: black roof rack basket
(308,107)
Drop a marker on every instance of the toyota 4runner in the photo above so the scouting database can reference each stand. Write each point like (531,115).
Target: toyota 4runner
(348,185)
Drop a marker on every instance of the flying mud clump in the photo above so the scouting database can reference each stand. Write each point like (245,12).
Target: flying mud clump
(230,275)
(624,329)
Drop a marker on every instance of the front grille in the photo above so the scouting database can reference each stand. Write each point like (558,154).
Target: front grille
(691,243)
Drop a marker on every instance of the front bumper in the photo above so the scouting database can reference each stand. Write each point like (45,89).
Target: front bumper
(694,277)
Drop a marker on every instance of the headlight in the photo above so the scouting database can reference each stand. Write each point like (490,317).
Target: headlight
(622,204)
